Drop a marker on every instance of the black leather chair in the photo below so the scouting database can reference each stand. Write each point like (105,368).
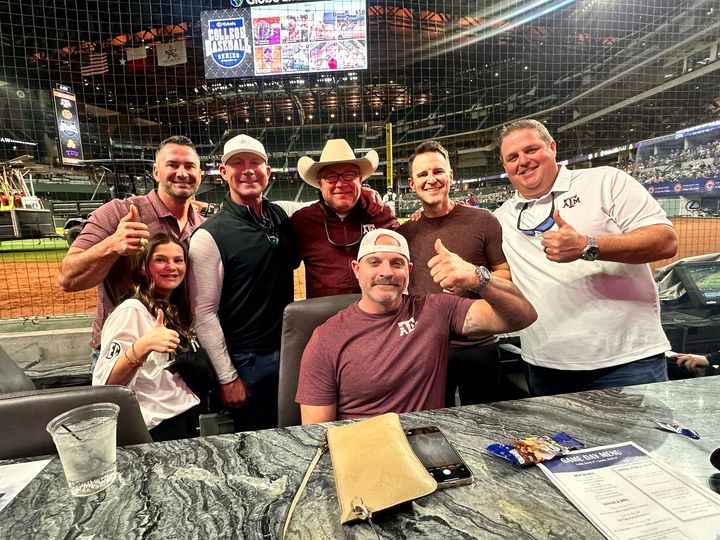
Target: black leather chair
(24,416)
(299,320)
(12,376)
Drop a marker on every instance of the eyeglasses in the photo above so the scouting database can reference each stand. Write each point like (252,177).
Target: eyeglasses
(542,227)
(347,176)
(269,229)
(327,232)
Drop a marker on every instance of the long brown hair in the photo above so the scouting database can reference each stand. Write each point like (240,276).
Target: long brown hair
(177,306)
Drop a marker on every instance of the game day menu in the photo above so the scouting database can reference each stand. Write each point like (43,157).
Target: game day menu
(629,495)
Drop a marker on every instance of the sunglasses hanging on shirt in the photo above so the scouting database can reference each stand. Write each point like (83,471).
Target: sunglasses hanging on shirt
(544,226)
(268,228)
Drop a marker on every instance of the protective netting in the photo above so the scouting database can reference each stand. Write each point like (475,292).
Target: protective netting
(601,74)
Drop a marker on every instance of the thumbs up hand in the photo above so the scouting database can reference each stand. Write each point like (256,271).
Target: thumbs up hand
(565,244)
(160,319)
(160,339)
(132,215)
(450,271)
(131,235)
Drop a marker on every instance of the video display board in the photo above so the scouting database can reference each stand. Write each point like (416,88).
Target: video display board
(68,124)
(277,39)
(227,39)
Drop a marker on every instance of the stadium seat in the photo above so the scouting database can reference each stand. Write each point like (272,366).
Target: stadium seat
(12,376)
(299,321)
(24,416)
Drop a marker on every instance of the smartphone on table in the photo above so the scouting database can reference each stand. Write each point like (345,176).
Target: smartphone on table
(439,457)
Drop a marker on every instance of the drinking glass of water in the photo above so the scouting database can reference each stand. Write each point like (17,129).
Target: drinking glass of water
(85,438)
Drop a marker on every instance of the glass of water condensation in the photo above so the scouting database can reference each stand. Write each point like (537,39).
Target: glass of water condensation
(85,439)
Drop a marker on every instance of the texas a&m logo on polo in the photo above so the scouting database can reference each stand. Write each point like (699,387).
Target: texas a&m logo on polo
(571,201)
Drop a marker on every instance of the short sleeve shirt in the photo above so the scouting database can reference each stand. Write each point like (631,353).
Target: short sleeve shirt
(370,364)
(103,222)
(161,393)
(590,314)
(472,233)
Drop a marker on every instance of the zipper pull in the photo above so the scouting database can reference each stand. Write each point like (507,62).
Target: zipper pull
(362,512)
(359,509)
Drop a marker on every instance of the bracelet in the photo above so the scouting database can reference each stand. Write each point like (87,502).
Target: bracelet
(137,363)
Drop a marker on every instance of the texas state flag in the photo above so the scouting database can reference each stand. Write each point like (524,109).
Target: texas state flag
(136,59)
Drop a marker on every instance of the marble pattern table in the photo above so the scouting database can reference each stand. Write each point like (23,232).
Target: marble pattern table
(240,485)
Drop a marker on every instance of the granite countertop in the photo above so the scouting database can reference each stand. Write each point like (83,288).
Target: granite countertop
(240,485)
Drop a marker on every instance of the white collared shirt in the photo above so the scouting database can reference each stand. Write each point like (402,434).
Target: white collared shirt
(591,314)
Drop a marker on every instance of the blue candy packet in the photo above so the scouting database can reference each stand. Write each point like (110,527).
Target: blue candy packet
(674,427)
(531,450)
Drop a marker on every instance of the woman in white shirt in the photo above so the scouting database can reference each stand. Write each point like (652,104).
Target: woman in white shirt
(140,337)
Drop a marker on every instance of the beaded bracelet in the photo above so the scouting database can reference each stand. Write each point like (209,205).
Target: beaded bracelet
(137,363)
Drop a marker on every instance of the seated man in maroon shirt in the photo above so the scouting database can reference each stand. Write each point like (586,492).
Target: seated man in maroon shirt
(329,231)
(388,352)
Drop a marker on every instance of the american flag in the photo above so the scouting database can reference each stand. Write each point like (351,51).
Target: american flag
(94,64)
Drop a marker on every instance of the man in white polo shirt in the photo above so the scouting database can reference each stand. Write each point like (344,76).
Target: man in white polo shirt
(578,243)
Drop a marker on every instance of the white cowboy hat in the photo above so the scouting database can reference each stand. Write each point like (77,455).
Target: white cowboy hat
(336,151)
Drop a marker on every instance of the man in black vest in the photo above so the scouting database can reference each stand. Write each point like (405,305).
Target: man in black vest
(241,278)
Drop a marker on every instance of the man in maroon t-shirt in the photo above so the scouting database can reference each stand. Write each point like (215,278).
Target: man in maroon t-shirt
(475,235)
(388,352)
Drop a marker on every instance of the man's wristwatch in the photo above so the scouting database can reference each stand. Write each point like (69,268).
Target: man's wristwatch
(591,251)
(484,276)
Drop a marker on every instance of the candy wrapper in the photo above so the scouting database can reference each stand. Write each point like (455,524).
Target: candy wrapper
(531,450)
(677,428)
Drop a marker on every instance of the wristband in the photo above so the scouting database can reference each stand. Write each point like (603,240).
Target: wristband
(137,362)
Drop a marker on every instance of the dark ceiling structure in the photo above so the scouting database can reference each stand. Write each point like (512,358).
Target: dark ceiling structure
(600,73)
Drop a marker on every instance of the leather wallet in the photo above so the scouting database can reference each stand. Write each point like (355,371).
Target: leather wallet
(375,467)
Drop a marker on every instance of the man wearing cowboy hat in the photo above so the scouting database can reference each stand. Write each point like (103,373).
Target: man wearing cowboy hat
(329,231)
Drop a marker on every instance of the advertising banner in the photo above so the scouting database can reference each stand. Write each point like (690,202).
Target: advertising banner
(68,124)
(227,37)
(698,186)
